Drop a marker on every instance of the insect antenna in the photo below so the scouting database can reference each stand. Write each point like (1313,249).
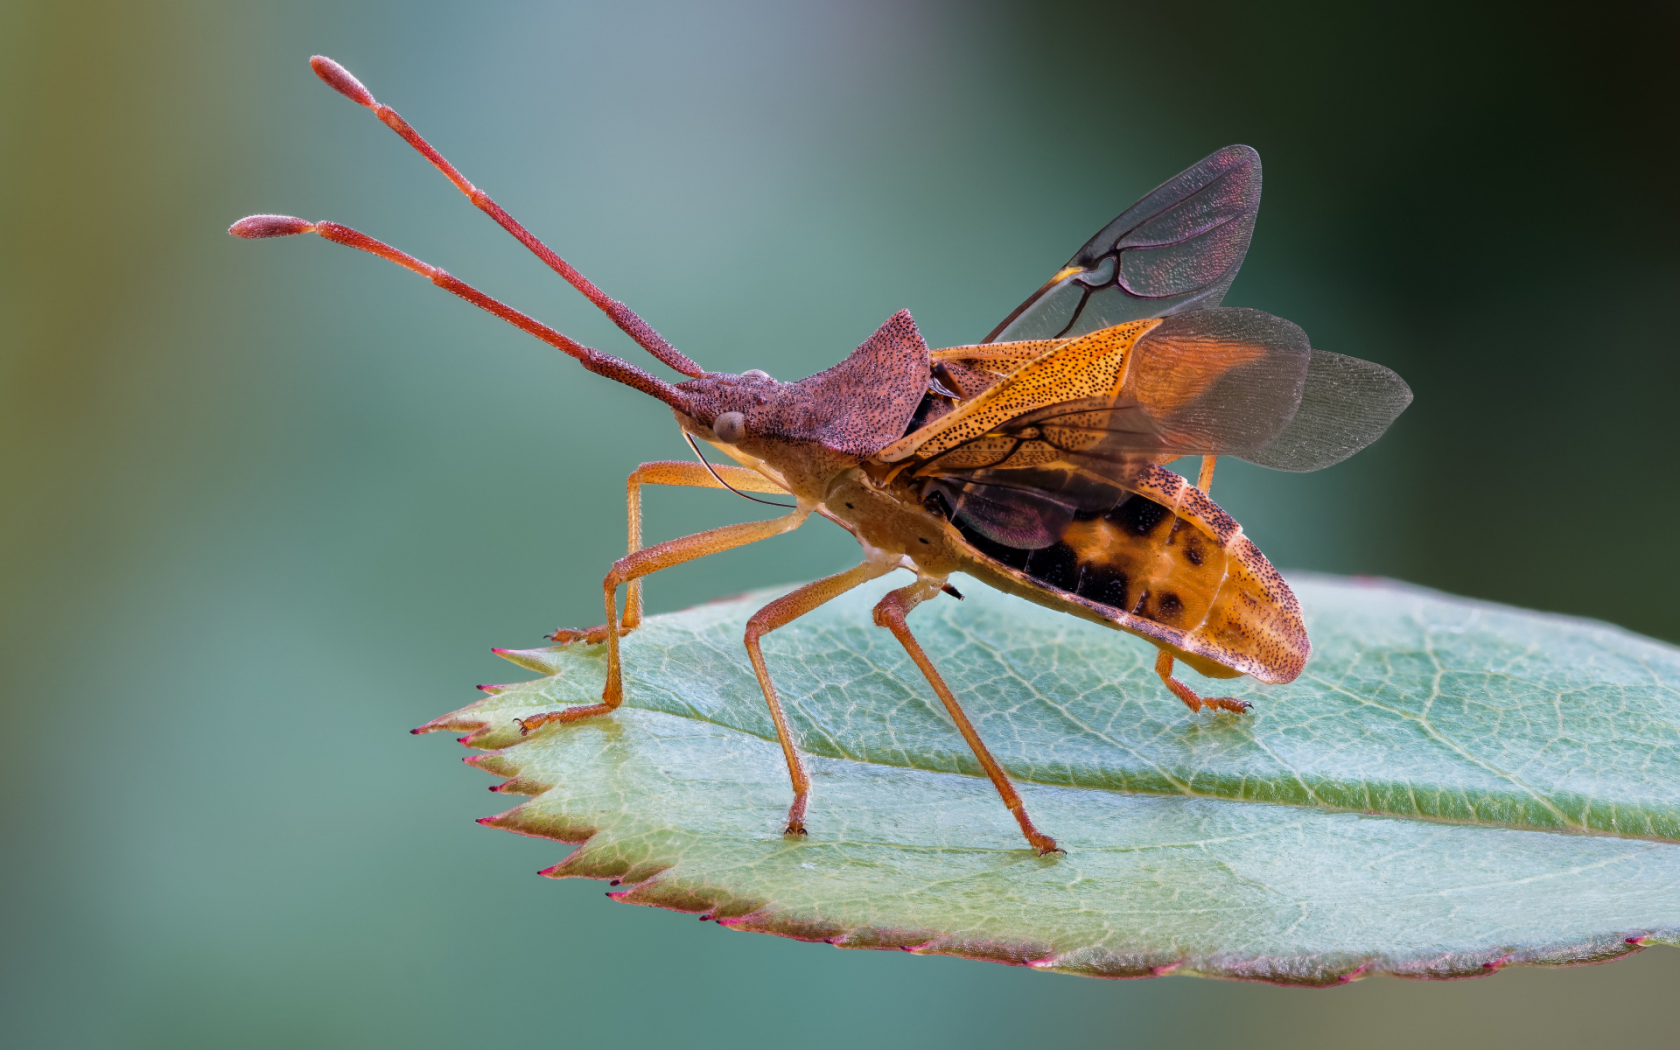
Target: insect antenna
(253,227)
(341,80)
(719,478)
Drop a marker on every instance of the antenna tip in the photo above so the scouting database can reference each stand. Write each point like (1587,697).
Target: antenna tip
(255,227)
(339,79)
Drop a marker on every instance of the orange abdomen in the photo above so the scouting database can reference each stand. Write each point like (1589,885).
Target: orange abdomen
(1166,564)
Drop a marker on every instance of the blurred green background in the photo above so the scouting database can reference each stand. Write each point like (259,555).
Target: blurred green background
(266,506)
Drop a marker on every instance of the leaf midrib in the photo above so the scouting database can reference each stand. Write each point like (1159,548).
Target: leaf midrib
(1423,722)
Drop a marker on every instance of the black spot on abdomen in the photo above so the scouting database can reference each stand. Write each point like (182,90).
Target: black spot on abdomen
(1102,585)
(1054,566)
(1138,515)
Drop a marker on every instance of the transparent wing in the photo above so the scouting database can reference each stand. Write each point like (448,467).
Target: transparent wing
(1237,382)
(1346,404)
(1179,248)
(1226,381)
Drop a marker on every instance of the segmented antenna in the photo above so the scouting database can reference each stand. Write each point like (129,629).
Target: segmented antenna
(255,227)
(341,80)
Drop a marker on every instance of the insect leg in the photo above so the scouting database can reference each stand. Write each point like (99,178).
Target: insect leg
(783,610)
(652,559)
(663,472)
(341,81)
(1204,479)
(1164,666)
(890,613)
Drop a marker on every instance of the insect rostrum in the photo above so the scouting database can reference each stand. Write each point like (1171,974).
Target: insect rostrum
(1031,461)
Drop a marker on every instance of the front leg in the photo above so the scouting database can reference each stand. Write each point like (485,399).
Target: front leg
(649,560)
(662,472)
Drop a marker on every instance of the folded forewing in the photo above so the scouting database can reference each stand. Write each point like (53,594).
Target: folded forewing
(1211,382)
(1225,381)
(1091,366)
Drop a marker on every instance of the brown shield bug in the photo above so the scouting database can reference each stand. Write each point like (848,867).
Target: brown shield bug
(1031,461)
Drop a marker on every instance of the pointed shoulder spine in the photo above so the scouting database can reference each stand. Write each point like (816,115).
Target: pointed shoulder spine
(870,397)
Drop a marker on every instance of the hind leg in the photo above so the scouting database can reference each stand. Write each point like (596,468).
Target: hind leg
(1164,666)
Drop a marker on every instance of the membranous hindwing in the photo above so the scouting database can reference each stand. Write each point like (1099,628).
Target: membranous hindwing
(1179,248)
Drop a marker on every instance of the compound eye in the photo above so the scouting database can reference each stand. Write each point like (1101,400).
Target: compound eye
(730,427)
(755,373)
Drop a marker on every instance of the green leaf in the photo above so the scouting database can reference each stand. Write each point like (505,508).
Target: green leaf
(1450,787)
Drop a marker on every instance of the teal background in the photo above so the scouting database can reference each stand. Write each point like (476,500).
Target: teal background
(266,506)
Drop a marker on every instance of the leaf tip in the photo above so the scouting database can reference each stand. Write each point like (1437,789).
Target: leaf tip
(453,720)
(473,738)
(542,661)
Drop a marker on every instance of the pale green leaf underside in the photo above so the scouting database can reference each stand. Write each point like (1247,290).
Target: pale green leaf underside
(1196,843)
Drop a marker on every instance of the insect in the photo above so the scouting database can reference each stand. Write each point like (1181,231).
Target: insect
(1031,461)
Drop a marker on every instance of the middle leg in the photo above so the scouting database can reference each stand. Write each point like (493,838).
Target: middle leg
(782,611)
(891,613)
